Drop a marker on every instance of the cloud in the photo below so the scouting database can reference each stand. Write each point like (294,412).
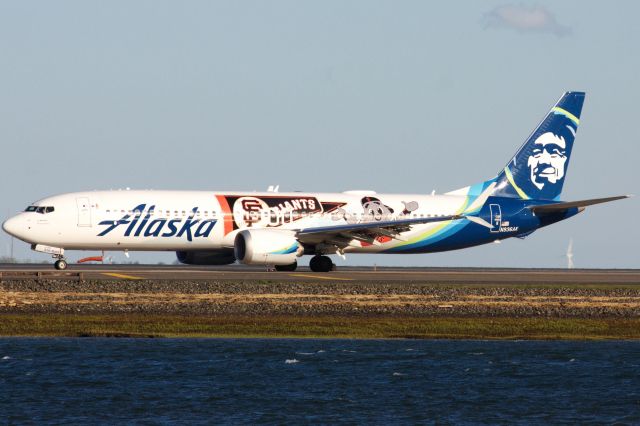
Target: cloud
(524,19)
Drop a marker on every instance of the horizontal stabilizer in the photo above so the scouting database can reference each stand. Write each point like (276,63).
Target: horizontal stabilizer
(550,208)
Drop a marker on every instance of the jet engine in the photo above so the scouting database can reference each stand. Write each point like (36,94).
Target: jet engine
(209,257)
(267,247)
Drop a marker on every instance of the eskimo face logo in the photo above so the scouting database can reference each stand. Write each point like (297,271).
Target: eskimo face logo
(548,160)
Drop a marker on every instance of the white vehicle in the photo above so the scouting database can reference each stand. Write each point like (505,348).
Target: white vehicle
(271,228)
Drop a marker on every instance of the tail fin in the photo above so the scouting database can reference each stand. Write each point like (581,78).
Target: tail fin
(538,169)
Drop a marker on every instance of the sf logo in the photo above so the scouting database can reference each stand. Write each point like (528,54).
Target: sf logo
(252,209)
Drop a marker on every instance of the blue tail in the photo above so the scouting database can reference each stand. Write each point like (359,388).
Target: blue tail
(538,169)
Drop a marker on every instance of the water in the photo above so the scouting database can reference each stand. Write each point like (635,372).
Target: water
(188,381)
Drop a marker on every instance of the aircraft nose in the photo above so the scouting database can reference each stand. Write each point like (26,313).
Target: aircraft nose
(12,226)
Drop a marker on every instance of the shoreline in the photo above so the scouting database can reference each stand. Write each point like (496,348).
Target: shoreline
(159,326)
(152,308)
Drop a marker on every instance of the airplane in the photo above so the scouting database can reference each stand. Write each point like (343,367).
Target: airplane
(275,229)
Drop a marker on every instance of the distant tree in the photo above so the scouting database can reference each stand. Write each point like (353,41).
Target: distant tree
(8,259)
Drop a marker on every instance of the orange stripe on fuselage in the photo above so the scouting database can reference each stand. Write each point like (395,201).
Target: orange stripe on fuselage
(226,211)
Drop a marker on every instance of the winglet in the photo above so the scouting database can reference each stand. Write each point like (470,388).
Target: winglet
(479,221)
(482,198)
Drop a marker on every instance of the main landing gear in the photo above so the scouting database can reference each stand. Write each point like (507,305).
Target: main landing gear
(321,264)
(287,268)
(60,264)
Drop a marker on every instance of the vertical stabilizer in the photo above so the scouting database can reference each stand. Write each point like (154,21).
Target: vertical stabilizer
(538,169)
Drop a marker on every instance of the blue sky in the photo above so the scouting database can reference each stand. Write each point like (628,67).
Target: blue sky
(322,96)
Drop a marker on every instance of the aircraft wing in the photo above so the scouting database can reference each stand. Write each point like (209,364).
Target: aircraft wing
(556,207)
(343,235)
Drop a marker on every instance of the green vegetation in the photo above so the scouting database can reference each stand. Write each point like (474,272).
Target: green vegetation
(530,286)
(134,325)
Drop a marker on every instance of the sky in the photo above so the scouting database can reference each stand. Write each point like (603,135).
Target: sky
(396,97)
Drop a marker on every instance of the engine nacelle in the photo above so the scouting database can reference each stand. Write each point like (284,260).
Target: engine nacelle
(209,257)
(267,247)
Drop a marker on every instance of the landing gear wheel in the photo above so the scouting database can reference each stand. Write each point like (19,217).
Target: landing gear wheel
(321,264)
(60,264)
(287,268)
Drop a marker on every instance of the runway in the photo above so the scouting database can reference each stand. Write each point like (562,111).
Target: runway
(488,276)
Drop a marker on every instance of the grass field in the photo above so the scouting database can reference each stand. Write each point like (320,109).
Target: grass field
(317,327)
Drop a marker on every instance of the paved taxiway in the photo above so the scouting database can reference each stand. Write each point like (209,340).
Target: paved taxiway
(357,274)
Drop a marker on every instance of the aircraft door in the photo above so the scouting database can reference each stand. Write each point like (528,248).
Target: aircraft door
(496,217)
(84,211)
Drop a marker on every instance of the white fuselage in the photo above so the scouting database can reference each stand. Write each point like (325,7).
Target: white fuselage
(205,220)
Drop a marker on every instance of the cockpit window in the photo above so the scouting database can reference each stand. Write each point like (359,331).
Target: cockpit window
(40,209)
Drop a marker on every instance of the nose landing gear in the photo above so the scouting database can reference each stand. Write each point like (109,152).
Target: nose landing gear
(55,252)
(60,264)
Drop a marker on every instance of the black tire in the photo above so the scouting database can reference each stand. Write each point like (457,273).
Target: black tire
(60,264)
(321,264)
(287,268)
